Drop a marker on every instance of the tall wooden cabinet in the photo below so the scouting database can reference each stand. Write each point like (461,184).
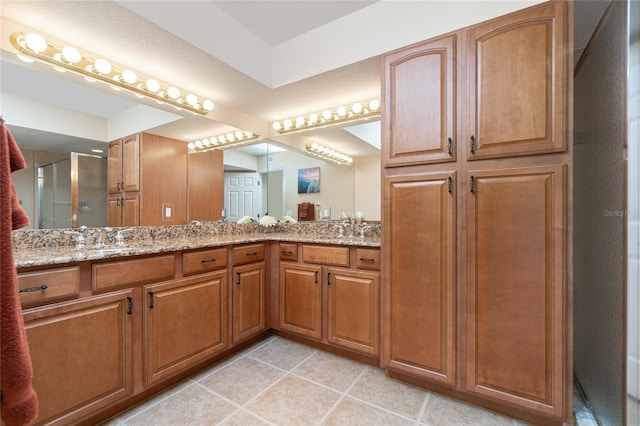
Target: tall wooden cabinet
(476,243)
(206,185)
(123,165)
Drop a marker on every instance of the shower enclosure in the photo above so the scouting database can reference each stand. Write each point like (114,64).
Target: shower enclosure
(72,192)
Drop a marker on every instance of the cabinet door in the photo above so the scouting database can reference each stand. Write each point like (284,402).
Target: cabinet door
(420,103)
(353,310)
(248,313)
(131,163)
(114,210)
(517,88)
(114,167)
(517,297)
(130,206)
(82,355)
(185,321)
(419,268)
(301,299)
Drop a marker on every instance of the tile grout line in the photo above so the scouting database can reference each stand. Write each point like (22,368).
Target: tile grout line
(423,409)
(343,395)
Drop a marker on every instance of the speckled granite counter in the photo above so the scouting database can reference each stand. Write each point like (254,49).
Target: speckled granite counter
(54,247)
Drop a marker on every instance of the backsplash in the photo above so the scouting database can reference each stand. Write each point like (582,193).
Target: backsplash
(38,238)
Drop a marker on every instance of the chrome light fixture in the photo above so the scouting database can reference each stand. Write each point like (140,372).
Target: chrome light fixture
(34,47)
(341,114)
(239,137)
(329,154)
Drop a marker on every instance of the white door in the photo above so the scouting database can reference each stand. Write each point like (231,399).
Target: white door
(242,195)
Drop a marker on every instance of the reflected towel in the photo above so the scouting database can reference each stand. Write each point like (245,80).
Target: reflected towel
(19,400)
(306,211)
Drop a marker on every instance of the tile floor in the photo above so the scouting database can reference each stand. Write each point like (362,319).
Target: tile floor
(280,382)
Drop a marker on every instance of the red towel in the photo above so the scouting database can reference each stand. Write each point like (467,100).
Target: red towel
(306,211)
(19,400)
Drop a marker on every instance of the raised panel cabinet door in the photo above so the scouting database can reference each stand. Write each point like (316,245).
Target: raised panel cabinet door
(82,354)
(131,163)
(185,321)
(517,297)
(205,185)
(114,167)
(353,310)
(420,103)
(419,254)
(248,287)
(130,206)
(114,210)
(518,80)
(301,299)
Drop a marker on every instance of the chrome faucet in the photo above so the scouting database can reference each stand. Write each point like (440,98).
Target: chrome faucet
(79,238)
(120,238)
(363,228)
(99,240)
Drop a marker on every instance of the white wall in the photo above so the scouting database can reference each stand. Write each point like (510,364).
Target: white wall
(368,187)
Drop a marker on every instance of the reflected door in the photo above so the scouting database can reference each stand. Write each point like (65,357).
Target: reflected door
(242,195)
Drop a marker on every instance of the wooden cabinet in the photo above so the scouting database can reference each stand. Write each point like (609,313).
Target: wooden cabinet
(353,310)
(518,74)
(123,210)
(476,249)
(420,274)
(346,300)
(301,299)
(185,321)
(248,292)
(81,353)
(517,293)
(124,165)
(420,100)
(206,185)
(49,285)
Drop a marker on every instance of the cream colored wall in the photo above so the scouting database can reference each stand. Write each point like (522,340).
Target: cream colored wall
(368,187)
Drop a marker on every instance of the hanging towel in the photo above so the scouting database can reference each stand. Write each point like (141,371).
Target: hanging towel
(19,400)
(306,211)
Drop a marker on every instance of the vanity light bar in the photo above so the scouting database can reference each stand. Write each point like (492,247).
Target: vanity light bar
(238,137)
(341,114)
(329,154)
(33,46)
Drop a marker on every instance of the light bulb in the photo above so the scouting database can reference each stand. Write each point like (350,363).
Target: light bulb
(287,124)
(192,99)
(102,66)
(239,134)
(206,142)
(152,85)
(35,42)
(191,145)
(342,111)
(357,108)
(313,118)
(222,139)
(208,105)
(326,114)
(71,55)
(230,137)
(314,146)
(299,121)
(374,104)
(199,144)
(173,92)
(129,76)
(248,134)
(276,126)
(213,140)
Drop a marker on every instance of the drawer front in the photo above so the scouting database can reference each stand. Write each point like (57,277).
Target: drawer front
(326,255)
(49,284)
(367,259)
(248,254)
(132,272)
(289,252)
(204,261)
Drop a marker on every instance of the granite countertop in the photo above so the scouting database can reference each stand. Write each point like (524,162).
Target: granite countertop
(43,256)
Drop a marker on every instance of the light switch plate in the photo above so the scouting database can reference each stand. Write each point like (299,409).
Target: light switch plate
(167,211)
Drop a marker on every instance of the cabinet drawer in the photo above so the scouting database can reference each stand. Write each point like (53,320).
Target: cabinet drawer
(338,256)
(367,259)
(132,272)
(49,284)
(289,252)
(204,261)
(248,254)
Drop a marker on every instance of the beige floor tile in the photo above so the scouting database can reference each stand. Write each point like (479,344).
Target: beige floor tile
(294,401)
(330,370)
(350,412)
(441,410)
(191,406)
(282,353)
(242,380)
(374,387)
(242,418)
(219,366)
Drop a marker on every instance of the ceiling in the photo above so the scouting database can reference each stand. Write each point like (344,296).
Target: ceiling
(259,61)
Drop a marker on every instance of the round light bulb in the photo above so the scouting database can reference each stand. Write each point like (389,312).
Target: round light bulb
(314,146)
(191,145)
(326,114)
(313,118)
(342,111)
(287,124)
(173,92)
(214,140)
(35,42)
(222,139)
(374,105)
(248,134)
(349,160)
(229,137)
(276,125)
(192,99)
(206,142)
(357,108)
(199,144)
(299,121)
(129,76)
(102,66)
(152,85)
(239,134)
(208,105)
(320,148)
(71,55)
